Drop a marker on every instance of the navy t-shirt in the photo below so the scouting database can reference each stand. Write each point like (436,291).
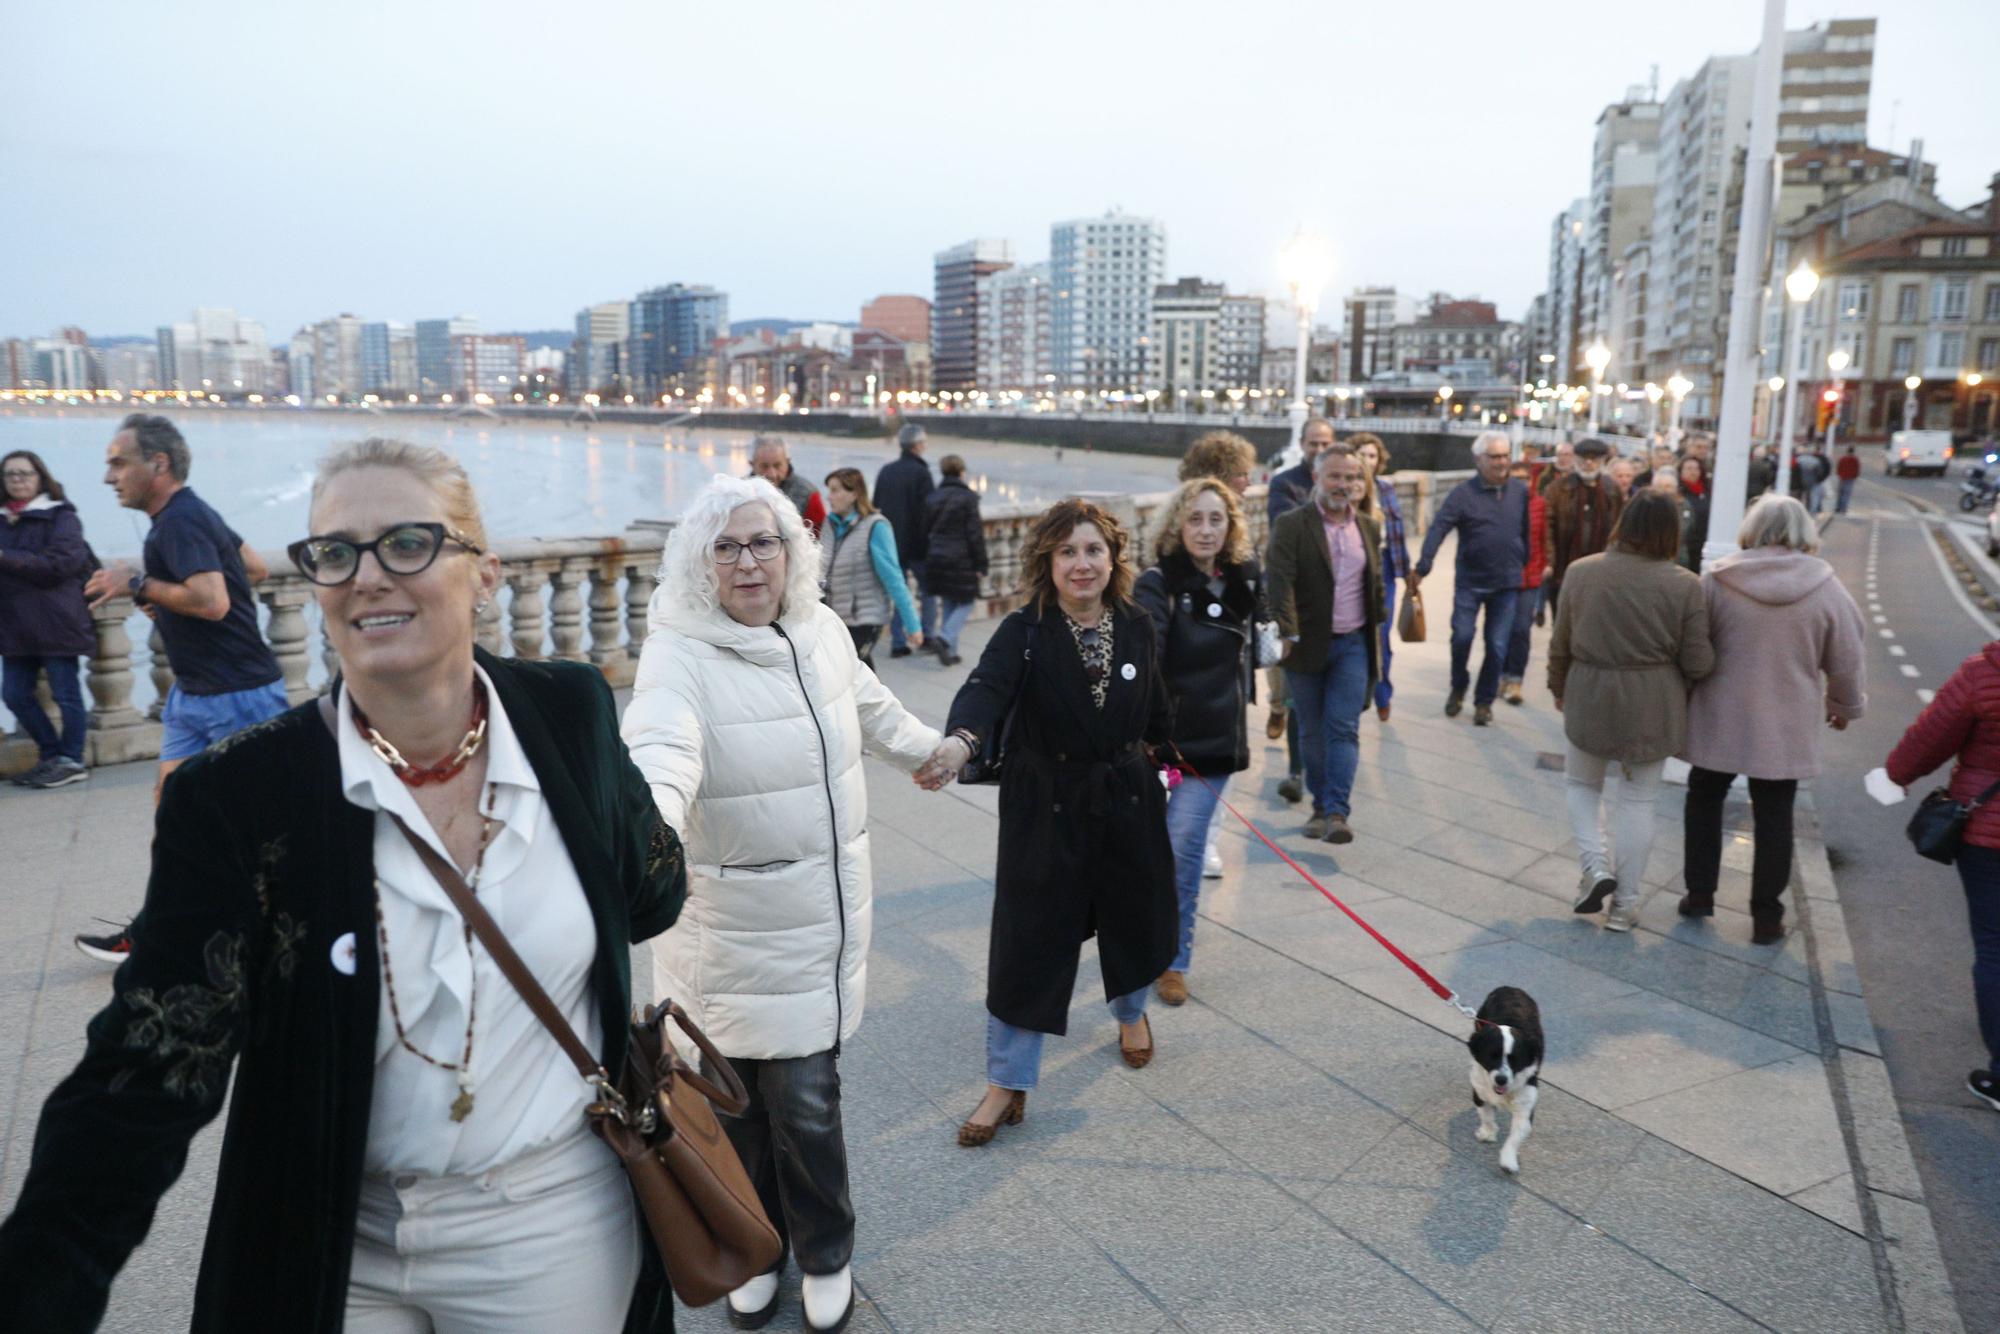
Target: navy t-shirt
(208,657)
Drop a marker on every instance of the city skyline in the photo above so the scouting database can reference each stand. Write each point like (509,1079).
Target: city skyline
(378,210)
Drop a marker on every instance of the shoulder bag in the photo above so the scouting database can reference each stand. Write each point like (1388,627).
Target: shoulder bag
(1937,830)
(1410,617)
(985,766)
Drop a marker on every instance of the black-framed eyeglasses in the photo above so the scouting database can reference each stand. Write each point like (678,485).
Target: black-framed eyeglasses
(767,547)
(407,548)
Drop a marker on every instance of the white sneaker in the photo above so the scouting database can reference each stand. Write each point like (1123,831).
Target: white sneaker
(1211,863)
(752,1305)
(1622,917)
(829,1299)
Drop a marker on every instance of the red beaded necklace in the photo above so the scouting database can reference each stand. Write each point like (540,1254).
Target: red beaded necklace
(412,775)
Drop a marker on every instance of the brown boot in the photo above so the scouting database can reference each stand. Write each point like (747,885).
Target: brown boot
(972,1134)
(1172,987)
(1274,726)
(1138,1057)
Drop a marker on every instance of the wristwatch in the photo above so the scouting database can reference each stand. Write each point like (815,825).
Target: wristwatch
(134,585)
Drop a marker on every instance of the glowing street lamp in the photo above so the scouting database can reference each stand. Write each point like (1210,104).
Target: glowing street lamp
(1444,402)
(1837,361)
(1304,264)
(1800,284)
(1678,388)
(1653,396)
(1910,387)
(1597,358)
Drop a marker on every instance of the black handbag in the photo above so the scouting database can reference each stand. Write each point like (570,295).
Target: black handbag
(1937,830)
(984,767)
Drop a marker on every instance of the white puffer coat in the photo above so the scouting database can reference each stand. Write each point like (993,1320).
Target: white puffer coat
(751,737)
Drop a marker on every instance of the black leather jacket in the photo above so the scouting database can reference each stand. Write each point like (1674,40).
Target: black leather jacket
(1207,648)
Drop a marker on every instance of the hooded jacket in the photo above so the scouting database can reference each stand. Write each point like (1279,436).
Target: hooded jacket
(1961,725)
(1630,635)
(1788,652)
(43,563)
(751,736)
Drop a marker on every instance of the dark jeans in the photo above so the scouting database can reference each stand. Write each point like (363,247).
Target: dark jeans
(1771,802)
(17,688)
(790,1142)
(1328,705)
(1845,495)
(1979,869)
(1520,638)
(1465,607)
(864,641)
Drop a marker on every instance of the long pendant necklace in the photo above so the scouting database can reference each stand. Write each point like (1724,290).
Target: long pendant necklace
(461,1106)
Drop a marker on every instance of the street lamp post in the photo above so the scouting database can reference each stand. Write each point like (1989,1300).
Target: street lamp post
(1837,362)
(1774,384)
(1444,404)
(1597,358)
(1653,395)
(1678,388)
(1910,387)
(1800,284)
(1304,263)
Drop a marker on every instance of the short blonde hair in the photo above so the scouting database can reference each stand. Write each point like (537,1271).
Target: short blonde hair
(1778,521)
(435,468)
(1223,454)
(1235,547)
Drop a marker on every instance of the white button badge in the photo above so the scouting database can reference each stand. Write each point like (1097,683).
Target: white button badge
(344,955)
(1129,672)
(1215,609)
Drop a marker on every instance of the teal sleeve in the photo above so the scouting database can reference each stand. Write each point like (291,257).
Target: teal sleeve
(889,569)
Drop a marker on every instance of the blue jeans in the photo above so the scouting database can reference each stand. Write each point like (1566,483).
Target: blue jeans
(1014,1055)
(927,610)
(1190,810)
(1846,494)
(1979,870)
(949,617)
(17,689)
(1384,692)
(1465,605)
(190,724)
(1329,704)
(1521,634)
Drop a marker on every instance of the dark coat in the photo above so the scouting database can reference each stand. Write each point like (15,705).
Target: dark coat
(1207,648)
(1289,489)
(1083,818)
(43,563)
(1579,520)
(954,542)
(1300,589)
(900,489)
(259,866)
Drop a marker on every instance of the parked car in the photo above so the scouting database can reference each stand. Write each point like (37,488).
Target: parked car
(1917,451)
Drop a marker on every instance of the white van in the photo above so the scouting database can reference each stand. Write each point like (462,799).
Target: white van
(1917,451)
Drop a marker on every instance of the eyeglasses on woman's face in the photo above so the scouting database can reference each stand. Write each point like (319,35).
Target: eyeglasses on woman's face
(406,549)
(20,475)
(765,548)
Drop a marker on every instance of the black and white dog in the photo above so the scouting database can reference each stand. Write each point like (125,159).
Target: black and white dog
(1506,1047)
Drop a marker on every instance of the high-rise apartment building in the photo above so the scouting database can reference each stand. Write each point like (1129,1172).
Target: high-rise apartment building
(1204,340)
(487,363)
(1105,271)
(1464,342)
(128,367)
(906,318)
(1562,321)
(434,354)
(955,310)
(1016,311)
(1829,69)
(1623,173)
(597,359)
(217,351)
(1373,314)
(671,331)
(62,365)
(388,358)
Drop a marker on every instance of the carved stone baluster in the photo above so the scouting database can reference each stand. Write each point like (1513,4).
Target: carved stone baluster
(566,613)
(525,611)
(606,623)
(641,578)
(486,632)
(162,671)
(117,730)
(286,631)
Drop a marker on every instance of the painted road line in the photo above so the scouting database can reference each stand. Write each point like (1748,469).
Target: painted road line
(1886,633)
(1910,671)
(1926,695)
(1986,623)
(1897,651)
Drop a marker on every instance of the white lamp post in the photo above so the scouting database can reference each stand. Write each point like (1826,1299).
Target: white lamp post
(1910,387)
(1444,404)
(1678,388)
(1837,361)
(1774,384)
(1800,284)
(1653,395)
(1597,358)
(1304,265)
(1340,397)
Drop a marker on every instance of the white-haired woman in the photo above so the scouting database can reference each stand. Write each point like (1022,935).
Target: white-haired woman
(406,1146)
(749,717)
(1788,657)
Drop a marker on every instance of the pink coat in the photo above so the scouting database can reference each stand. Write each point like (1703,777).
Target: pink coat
(1780,621)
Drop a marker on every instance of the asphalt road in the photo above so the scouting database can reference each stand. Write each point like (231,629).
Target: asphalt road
(1907,915)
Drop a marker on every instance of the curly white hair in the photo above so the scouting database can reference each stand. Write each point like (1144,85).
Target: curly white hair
(687,566)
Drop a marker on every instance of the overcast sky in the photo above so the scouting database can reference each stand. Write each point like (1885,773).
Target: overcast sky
(517,161)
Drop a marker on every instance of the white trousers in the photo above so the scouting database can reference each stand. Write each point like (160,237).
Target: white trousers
(549,1241)
(1631,823)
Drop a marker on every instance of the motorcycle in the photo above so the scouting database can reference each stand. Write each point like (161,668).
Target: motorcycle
(1981,485)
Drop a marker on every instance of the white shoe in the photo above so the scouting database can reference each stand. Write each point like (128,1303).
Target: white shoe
(1622,917)
(752,1305)
(1211,863)
(829,1299)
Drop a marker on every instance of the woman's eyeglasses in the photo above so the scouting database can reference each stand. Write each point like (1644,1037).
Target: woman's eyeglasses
(408,548)
(767,547)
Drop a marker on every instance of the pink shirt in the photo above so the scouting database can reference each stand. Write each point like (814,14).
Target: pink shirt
(1350,567)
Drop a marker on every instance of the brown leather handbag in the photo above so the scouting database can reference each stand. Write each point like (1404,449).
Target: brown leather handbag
(697,1201)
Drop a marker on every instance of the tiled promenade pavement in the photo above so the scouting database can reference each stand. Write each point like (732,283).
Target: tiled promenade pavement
(1300,1154)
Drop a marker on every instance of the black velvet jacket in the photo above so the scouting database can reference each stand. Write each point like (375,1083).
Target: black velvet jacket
(259,866)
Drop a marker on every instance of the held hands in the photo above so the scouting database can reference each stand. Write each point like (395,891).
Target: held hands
(1836,722)
(1415,581)
(114,580)
(915,638)
(951,755)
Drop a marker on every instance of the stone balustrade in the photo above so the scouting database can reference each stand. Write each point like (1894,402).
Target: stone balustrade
(580,599)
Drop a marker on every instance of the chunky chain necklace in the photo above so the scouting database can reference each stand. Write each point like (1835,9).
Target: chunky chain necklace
(461,1106)
(412,775)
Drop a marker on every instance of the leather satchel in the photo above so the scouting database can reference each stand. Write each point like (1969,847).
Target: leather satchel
(1937,830)
(706,1221)
(1410,617)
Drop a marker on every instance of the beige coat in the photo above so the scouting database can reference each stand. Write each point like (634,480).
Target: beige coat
(1630,637)
(1780,620)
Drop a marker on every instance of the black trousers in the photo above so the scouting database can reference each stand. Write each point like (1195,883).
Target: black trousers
(790,1141)
(864,641)
(1771,801)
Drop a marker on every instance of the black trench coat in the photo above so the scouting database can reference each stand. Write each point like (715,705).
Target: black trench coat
(1083,818)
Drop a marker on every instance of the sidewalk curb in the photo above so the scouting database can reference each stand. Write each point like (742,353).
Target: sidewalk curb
(1909,1267)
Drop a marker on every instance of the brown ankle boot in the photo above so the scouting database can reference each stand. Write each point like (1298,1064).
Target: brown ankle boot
(1172,987)
(972,1135)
